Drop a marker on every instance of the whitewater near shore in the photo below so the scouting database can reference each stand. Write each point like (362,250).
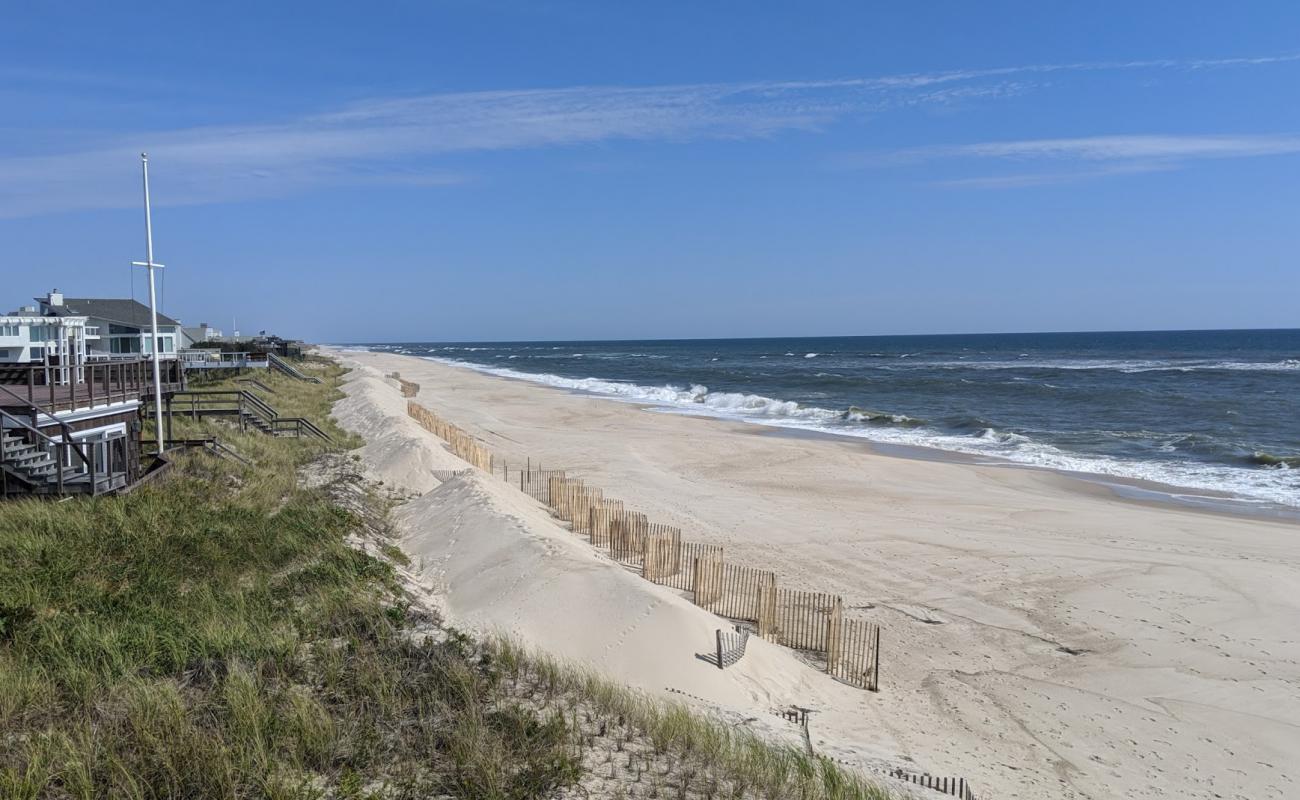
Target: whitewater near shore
(1042,636)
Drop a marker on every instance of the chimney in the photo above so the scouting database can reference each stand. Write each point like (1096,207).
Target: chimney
(55,298)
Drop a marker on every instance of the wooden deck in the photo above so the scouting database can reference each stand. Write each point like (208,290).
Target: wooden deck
(102,384)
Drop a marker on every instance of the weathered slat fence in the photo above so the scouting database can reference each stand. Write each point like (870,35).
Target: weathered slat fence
(687,554)
(663,553)
(731,646)
(462,444)
(957,787)
(803,620)
(732,591)
(409,389)
(536,483)
(855,655)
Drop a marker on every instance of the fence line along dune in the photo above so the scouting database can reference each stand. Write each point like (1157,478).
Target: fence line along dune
(803,620)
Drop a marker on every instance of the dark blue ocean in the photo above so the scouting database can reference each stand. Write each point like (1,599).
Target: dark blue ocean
(1201,410)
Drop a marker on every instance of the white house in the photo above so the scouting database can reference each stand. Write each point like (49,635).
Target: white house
(114,327)
(27,337)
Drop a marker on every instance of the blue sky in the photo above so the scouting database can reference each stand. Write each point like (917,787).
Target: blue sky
(557,170)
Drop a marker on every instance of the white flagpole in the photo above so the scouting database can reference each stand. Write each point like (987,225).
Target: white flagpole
(148,264)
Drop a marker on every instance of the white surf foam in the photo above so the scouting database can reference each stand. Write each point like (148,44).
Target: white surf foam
(1249,484)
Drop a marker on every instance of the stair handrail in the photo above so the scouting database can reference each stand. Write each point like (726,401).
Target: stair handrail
(48,441)
(289,369)
(301,423)
(64,429)
(239,397)
(257,383)
(259,408)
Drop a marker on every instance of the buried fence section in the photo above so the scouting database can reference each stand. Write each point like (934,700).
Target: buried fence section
(409,388)
(956,787)
(731,646)
(854,656)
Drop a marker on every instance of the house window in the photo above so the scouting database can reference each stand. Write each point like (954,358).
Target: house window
(38,354)
(122,329)
(9,330)
(41,333)
(164,344)
(4,354)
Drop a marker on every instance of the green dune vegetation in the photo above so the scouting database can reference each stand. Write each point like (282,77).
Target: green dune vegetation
(238,631)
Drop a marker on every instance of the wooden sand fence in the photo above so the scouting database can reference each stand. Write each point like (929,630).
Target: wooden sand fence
(679,559)
(409,388)
(956,787)
(855,655)
(731,646)
(731,591)
(810,621)
(537,483)
(461,443)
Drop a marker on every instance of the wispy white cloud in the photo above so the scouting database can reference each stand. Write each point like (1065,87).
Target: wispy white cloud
(411,139)
(1093,156)
(1019,181)
(1111,148)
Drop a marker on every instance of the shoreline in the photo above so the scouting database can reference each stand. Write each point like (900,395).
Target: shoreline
(1134,490)
(1041,638)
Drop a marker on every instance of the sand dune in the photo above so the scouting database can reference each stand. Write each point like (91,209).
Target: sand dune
(496,561)
(1042,637)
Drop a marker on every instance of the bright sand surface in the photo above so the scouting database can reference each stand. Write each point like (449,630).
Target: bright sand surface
(1041,637)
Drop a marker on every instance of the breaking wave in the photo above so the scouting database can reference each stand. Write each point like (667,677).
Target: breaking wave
(972,436)
(1121,365)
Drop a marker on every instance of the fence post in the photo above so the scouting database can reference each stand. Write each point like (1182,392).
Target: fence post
(719,632)
(875,662)
(834,636)
(767,609)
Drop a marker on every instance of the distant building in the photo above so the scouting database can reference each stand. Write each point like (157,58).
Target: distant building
(198,336)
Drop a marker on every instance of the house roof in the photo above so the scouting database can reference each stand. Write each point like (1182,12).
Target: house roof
(123,312)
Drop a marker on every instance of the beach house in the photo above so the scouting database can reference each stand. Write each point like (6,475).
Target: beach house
(115,327)
(74,375)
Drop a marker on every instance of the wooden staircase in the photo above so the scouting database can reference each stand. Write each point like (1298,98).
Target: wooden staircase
(280,365)
(28,462)
(32,463)
(244,408)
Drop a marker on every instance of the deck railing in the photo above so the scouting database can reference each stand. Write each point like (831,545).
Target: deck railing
(63,387)
(201,358)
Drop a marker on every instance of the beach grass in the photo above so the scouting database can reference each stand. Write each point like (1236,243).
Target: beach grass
(219,633)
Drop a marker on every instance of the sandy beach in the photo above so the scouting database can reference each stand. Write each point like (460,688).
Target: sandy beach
(1042,636)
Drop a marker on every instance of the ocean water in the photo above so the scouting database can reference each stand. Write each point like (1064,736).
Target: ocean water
(1206,411)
